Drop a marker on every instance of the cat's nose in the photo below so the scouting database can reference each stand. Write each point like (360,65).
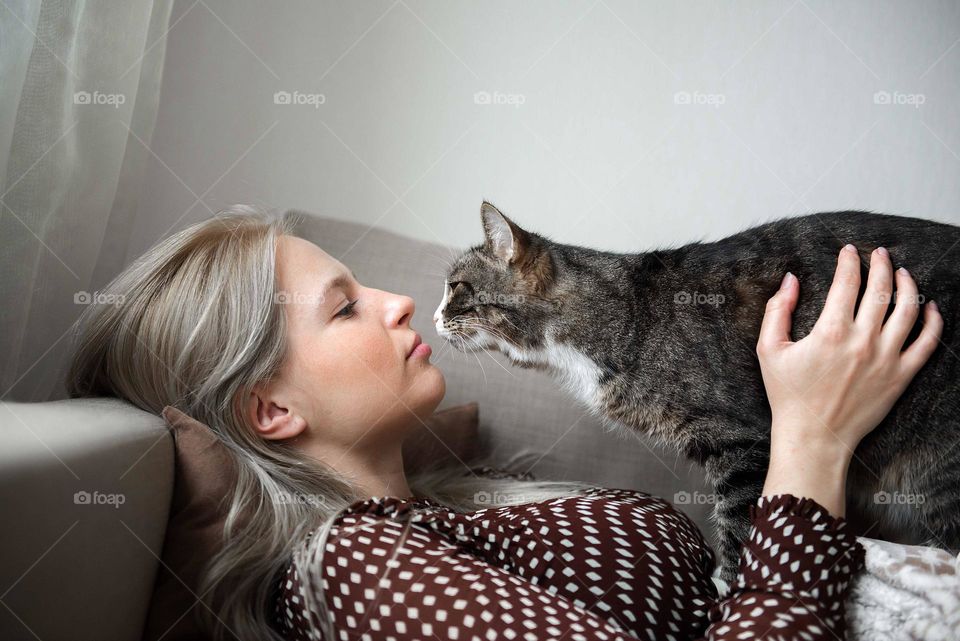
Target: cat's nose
(436,317)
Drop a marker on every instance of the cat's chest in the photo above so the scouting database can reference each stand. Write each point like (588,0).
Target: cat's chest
(631,409)
(577,374)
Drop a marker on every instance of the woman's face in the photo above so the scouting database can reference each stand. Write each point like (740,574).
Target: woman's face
(347,373)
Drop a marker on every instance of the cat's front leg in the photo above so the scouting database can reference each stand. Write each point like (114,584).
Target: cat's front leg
(731,514)
(737,473)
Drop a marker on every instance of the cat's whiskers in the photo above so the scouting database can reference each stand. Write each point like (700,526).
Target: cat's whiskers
(451,255)
(444,261)
(486,350)
(445,349)
(457,334)
(514,325)
(496,333)
(448,347)
(464,337)
(485,384)
(492,331)
(447,263)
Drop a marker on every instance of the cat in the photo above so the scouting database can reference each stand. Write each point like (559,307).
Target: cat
(664,343)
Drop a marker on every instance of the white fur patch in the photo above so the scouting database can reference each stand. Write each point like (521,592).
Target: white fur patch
(438,315)
(577,374)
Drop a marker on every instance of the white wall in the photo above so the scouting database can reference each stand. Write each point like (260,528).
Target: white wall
(598,153)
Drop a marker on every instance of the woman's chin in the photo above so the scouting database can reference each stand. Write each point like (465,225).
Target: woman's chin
(429,387)
(439,387)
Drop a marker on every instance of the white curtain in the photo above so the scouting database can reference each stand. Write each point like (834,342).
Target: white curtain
(79,88)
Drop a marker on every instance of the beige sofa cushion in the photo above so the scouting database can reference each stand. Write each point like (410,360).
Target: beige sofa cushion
(85,485)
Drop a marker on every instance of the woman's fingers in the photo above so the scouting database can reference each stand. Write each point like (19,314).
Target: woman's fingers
(913,358)
(842,297)
(905,312)
(878,294)
(775,328)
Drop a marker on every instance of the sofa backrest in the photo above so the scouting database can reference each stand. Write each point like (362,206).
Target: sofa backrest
(85,486)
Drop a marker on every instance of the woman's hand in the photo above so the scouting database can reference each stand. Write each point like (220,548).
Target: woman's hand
(830,389)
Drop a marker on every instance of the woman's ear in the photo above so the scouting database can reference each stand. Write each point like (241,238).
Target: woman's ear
(270,420)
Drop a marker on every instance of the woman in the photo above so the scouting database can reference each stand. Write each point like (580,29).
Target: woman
(311,380)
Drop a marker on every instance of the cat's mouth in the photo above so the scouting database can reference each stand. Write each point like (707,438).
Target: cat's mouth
(469,340)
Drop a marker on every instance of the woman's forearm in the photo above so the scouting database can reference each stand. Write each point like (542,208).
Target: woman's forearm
(811,468)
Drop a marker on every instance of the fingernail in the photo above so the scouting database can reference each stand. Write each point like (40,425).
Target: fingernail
(850,248)
(788,278)
(903,270)
(883,252)
(933,305)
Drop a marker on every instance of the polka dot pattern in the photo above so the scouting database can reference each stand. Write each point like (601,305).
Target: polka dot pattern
(795,572)
(605,564)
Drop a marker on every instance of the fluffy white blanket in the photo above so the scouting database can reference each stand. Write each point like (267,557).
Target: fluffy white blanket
(905,593)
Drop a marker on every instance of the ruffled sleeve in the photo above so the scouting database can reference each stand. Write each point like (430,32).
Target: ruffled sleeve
(795,572)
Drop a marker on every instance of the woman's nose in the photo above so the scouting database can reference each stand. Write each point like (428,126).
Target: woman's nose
(401,311)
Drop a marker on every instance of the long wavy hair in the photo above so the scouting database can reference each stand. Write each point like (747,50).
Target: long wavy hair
(193,324)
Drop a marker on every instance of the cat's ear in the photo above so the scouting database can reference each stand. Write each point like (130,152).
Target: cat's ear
(516,247)
(505,239)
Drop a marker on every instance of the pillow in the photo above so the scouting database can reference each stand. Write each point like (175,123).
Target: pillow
(203,478)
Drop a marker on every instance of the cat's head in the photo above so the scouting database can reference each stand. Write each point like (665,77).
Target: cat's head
(497,295)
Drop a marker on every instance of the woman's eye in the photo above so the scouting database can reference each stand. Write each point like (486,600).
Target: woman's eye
(347,310)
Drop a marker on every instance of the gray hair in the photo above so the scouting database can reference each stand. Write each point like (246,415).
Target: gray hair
(197,328)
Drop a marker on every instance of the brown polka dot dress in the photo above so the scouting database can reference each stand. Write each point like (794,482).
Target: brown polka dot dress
(606,564)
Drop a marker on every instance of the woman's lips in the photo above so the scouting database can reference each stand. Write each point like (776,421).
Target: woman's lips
(419,348)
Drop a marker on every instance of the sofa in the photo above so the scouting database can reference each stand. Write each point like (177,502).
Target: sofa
(86,484)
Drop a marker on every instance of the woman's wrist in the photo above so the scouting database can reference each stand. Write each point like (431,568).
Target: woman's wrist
(809,468)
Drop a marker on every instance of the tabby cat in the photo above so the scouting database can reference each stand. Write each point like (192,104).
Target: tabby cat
(664,343)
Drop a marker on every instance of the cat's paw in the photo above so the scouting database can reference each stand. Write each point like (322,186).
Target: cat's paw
(728,573)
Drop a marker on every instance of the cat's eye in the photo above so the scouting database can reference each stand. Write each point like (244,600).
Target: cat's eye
(460,283)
